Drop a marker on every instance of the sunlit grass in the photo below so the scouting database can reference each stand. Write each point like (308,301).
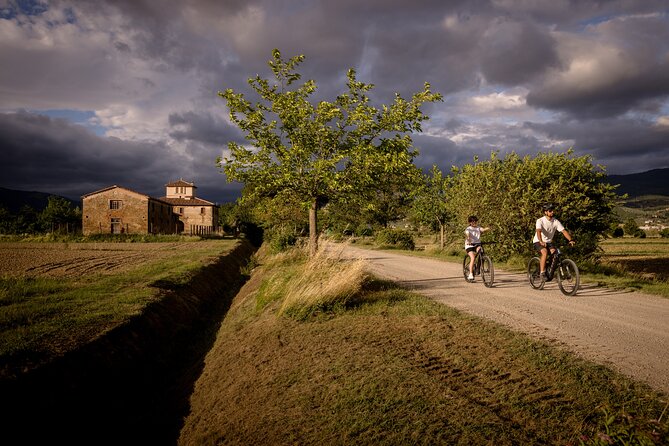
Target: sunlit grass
(393,367)
(47,316)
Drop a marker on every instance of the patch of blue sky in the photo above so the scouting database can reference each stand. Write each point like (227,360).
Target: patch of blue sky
(84,118)
(25,7)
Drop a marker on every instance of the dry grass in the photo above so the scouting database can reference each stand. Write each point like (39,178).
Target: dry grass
(395,368)
(323,284)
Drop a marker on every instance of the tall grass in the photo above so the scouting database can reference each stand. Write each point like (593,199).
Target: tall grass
(325,283)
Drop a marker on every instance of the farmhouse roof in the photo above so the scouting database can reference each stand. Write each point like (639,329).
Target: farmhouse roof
(124,188)
(181,182)
(113,187)
(187,201)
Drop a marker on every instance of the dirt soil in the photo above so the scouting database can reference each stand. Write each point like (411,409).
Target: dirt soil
(628,331)
(76,259)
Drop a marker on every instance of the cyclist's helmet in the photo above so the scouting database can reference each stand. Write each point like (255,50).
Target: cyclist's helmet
(548,207)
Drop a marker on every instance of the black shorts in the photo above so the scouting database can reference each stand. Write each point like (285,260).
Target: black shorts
(538,247)
(473,248)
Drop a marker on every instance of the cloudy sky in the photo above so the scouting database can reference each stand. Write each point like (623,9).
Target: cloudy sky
(95,93)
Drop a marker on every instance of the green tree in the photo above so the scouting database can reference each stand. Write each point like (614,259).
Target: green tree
(27,221)
(632,229)
(323,151)
(507,194)
(429,205)
(59,214)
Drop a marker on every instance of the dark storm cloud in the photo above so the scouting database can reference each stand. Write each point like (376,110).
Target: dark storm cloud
(623,145)
(575,71)
(55,156)
(516,52)
(202,127)
(624,67)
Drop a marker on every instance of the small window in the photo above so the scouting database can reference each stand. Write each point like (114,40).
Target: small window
(201,210)
(115,204)
(181,210)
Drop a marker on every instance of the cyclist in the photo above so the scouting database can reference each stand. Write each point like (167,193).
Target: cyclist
(543,237)
(473,241)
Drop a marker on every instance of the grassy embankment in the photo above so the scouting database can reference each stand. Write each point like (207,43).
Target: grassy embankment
(319,352)
(42,317)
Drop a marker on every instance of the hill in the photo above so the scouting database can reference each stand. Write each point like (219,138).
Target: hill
(652,182)
(13,200)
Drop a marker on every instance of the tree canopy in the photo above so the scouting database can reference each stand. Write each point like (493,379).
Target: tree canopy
(507,194)
(319,151)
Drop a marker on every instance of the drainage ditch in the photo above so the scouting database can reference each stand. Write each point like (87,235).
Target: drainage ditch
(131,386)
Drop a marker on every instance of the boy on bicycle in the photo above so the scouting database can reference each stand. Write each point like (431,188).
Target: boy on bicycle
(473,241)
(543,237)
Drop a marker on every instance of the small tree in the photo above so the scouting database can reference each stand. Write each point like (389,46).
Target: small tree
(632,229)
(59,213)
(429,205)
(323,151)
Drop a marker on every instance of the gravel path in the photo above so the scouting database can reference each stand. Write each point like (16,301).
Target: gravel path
(628,331)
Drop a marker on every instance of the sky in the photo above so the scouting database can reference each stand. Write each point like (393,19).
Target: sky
(96,93)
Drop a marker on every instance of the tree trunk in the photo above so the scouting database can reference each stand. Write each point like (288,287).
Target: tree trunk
(313,228)
(441,230)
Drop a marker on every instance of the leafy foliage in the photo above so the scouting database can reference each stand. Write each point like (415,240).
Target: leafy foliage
(397,238)
(430,202)
(58,216)
(323,151)
(507,193)
(632,229)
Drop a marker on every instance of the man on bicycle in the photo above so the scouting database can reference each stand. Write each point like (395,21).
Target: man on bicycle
(543,237)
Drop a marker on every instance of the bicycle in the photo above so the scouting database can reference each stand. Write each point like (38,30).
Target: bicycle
(482,266)
(566,271)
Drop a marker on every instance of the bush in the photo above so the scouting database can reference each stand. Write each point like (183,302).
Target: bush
(664,233)
(397,238)
(618,232)
(364,230)
(280,239)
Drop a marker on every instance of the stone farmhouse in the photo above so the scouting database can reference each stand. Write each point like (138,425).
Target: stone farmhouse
(119,210)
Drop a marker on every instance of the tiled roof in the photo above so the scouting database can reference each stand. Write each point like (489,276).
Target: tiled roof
(113,187)
(181,183)
(187,201)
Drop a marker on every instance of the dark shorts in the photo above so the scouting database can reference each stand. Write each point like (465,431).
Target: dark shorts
(472,249)
(538,247)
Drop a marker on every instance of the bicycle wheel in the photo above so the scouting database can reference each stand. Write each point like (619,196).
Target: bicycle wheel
(487,271)
(465,266)
(568,277)
(533,273)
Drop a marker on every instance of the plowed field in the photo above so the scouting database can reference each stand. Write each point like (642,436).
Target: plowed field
(76,259)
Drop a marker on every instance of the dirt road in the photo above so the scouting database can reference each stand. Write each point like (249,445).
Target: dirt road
(628,331)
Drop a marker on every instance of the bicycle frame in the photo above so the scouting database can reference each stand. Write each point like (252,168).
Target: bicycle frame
(482,265)
(566,271)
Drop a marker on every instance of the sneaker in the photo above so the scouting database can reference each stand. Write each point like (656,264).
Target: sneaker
(470,276)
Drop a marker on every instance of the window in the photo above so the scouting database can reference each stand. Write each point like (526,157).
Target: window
(181,210)
(201,210)
(115,204)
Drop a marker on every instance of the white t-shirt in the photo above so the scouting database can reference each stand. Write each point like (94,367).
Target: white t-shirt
(548,228)
(472,235)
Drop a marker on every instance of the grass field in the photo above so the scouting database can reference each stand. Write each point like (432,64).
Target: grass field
(57,296)
(377,365)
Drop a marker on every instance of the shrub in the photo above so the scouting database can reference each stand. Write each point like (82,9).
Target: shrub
(664,233)
(618,232)
(396,238)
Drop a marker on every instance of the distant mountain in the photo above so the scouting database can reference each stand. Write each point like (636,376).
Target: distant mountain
(653,182)
(13,200)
